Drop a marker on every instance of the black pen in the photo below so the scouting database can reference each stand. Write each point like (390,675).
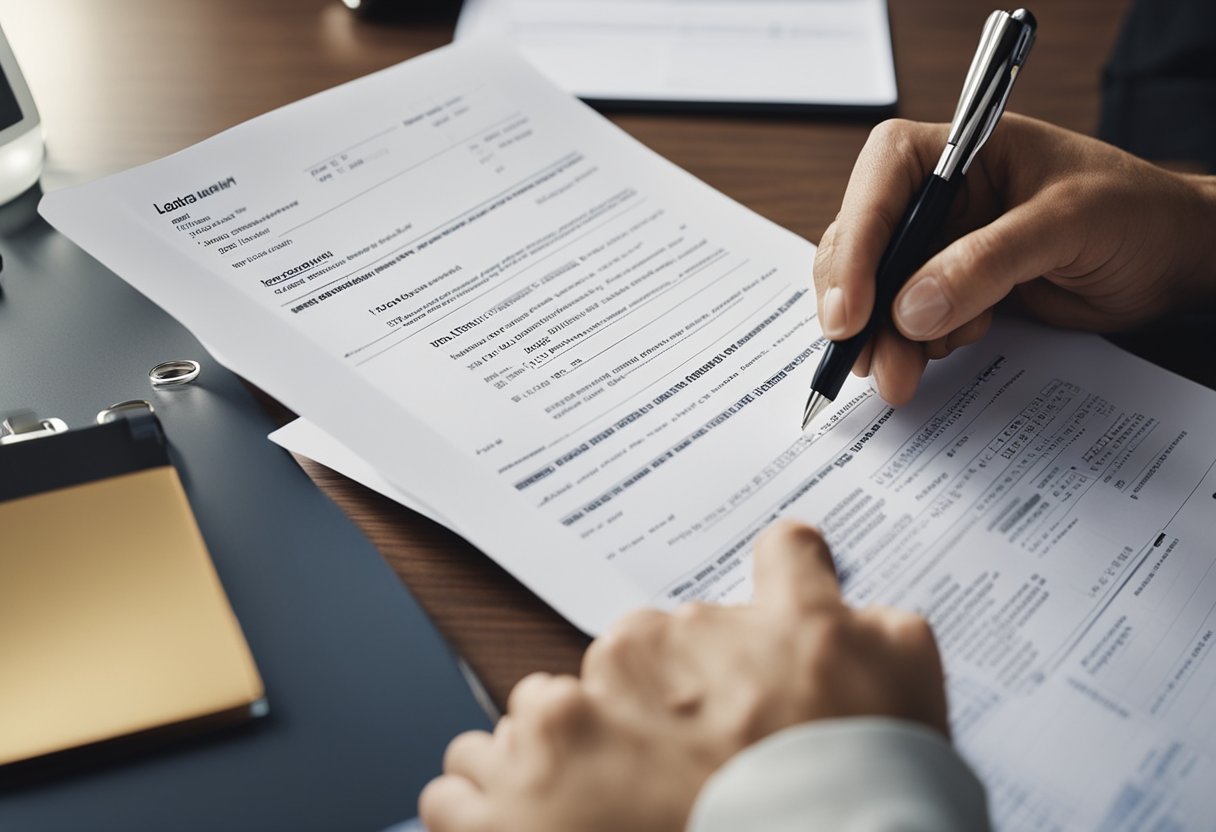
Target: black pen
(1004,44)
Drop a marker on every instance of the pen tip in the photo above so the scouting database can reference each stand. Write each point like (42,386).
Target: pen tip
(814,405)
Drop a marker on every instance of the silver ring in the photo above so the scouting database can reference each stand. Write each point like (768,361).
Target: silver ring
(174,373)
(117,411)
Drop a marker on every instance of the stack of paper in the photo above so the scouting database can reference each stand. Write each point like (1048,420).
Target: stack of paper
(593,367)
(745,53)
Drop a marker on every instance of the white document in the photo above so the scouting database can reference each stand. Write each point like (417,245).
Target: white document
(593,366)
(1076,638)
(803,52)
(466,275)
(303,437)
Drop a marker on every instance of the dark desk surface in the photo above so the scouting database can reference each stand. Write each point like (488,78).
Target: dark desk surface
(123,82)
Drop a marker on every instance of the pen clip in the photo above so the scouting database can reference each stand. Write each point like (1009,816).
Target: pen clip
(1003,48)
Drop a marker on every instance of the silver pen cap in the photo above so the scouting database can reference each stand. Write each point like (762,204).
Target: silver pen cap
(1004,45)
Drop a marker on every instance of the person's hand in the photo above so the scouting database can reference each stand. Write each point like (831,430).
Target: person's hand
(1089,236)
(665,699)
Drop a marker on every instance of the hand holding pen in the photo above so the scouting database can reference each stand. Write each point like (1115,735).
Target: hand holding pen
(1083,234)
(1004,45)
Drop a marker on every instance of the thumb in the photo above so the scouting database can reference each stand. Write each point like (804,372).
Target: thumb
(793,568)
(976,271)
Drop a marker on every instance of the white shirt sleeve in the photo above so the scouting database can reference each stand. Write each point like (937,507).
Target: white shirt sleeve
(845,775)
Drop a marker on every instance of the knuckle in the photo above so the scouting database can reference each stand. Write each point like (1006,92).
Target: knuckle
(601,655)
(637,632)
(503,730)
(1070,195)
(641,626)
(564,705)
(526,691)
(550,713)
(549,729)
(891,133)
(457,747)
(694,613)
(428,802)
(439,803)
(901,142)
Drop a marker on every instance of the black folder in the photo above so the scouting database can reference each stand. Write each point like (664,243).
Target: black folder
(365,694)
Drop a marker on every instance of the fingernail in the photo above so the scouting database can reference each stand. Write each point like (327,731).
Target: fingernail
(834,320)
(923,308)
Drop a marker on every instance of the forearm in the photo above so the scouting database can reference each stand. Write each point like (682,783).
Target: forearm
(861,774)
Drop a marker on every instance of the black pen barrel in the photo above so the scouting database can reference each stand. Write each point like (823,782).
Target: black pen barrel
(908,250)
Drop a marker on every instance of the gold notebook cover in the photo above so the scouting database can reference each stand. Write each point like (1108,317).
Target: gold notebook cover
(112,618)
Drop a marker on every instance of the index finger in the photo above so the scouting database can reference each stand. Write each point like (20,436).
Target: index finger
(793,568)
(889,171)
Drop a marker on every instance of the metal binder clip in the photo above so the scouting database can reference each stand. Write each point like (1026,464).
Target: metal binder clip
(20,425)
(139,415)
(118,411)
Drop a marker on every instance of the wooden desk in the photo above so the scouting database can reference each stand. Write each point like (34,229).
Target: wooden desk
(122,82)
